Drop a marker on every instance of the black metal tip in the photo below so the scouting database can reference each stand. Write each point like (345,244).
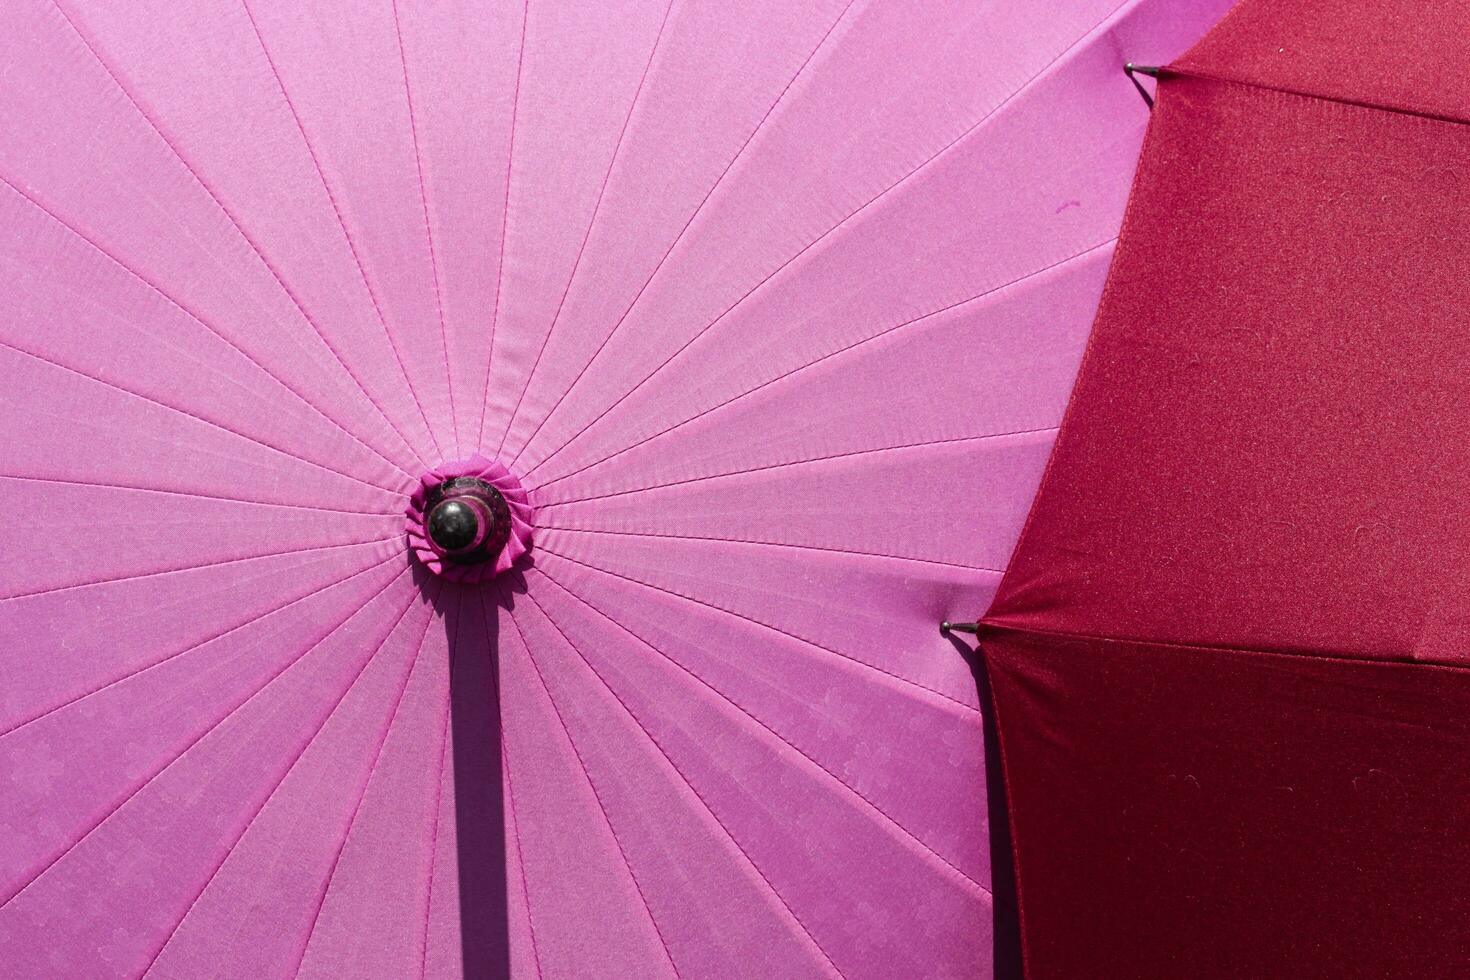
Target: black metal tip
(454,525)
(946,628)
(1132,71)
(467,520)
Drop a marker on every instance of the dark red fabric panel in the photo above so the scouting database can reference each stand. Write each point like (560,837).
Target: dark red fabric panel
(1197,813)
(1266,445)
(1409,54)
(1230,660)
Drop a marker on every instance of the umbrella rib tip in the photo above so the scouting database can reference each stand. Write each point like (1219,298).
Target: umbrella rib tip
(946,628)
(1132,70)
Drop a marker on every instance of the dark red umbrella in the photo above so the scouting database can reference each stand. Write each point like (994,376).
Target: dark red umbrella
(1229,658)
(480,476)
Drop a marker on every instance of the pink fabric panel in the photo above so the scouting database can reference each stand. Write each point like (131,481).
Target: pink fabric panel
(565,140)
(228,173)
(771,310)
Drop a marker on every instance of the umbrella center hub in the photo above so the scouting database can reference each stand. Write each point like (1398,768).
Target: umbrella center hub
(469,520)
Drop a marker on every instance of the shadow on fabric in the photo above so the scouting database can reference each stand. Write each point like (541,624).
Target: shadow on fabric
(1006,958)
(479,805)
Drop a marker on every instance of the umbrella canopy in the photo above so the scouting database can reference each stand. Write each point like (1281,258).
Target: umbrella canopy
(484,477)
(1229,656)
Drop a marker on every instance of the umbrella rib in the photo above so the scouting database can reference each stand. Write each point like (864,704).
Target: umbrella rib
(515,829)
(193,567)
(509,788)
(452,636)
(1301,93)
(510,153)
(885,818)
(927,444)
(196,417)
(199,738)
(341,223)
(699,208)
(689,783)
(362,792)
(886,332)
(138,488)
(418,161)
(295,761)
(309,593)
(493,676)
(587,235)
(434,830)
(772,544)
(1396,659)
(968,711)
(510,796)
(871,201)
(591,784)
(97,247)
(230,216)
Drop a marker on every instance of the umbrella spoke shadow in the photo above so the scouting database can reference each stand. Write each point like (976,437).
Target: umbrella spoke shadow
(472,616)
(1006,949)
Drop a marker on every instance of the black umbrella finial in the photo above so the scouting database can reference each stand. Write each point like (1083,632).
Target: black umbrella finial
(467,520)
(455,525)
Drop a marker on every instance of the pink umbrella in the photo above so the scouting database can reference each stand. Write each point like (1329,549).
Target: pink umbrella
(484,478)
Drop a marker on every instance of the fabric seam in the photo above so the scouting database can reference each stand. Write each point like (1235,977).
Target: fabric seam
(993,627)
(1387,107)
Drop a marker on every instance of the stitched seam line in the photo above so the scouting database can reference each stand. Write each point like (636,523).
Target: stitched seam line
(1372,104)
